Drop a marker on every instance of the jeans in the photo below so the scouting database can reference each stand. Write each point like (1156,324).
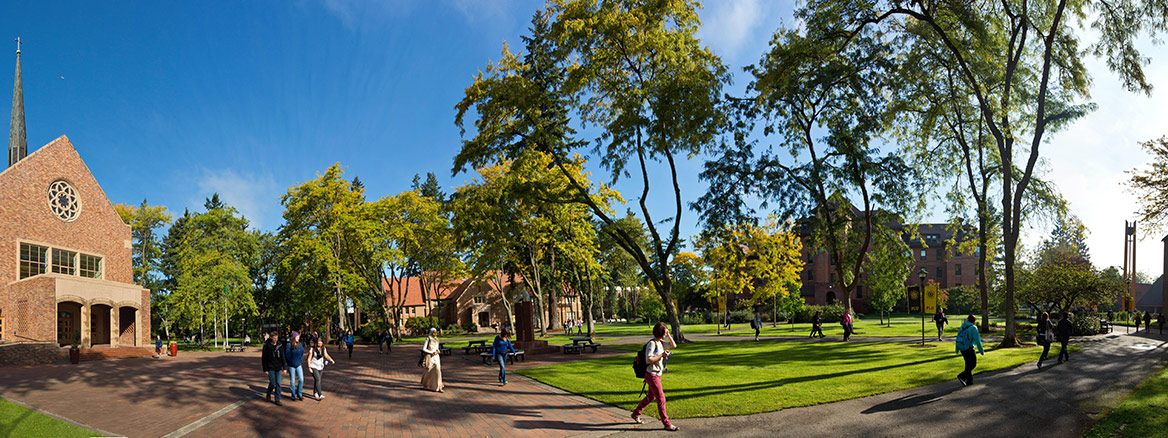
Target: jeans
(1045,350)
(1063,353)
(655,393)
(296,381)
(970,363)
(317,379)
(847,331)
(816,328)
(350,347)
(502,360)
(940,331)
(274,383)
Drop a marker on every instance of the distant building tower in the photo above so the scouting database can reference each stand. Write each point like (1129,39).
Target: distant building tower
(17,143)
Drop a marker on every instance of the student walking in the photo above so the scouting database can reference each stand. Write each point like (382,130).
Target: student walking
(967,338)
(432,361)
(158,347)
(940,319)
(756,324)
(1045,336)
(318,357)
(816,325)
(380,342)
(272,359)
(349,343)
(501,348)
(294,356)
(1160,320)
(1062,333)
(847,323)
(1148,322)
(655,357)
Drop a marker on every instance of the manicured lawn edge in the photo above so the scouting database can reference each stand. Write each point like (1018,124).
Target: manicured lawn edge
(710,379)
(17,420)
(1144,413)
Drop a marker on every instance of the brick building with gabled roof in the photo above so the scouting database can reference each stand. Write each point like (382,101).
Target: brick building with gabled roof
(65,262)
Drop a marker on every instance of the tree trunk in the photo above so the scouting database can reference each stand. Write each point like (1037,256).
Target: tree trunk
(553,304)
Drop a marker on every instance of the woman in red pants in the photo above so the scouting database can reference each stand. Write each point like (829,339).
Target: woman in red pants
(655,354)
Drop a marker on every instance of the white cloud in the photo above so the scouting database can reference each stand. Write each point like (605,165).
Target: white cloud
(738,28)
(256,196)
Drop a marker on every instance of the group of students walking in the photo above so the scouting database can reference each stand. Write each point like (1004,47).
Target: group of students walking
(288,356)
(1148,321)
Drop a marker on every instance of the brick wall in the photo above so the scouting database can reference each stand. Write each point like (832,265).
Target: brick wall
(31,354)
(31,313)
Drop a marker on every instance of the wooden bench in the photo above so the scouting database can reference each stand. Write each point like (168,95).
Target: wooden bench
(1104,326)
(573,348)
(477,347)
(236,348)
(488,357)
(592,345)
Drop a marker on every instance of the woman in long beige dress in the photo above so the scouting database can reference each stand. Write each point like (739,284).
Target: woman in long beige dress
(432,379)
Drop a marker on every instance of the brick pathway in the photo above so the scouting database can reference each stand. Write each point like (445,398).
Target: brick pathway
(371,395)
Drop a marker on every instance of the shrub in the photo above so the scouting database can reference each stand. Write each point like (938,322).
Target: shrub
(1085,325)
(693,318)
(741,316)
(450,328)
(419,325)
(470,327)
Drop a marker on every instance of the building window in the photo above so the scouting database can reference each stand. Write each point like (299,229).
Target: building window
(479,299)
(940,254)
(859,292)
(33,260)
(833,277)
(957,270)
(922,255)
(940,274)
(90,266)
(958,285)
(64,262)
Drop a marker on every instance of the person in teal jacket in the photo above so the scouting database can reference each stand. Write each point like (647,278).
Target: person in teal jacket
(500,349)
(967,338)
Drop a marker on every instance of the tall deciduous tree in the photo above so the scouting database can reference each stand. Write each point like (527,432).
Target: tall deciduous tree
(887,268)
(147,249)
(997,48)
(633,69)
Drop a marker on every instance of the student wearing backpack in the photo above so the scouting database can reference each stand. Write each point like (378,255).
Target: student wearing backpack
(940,320)
(967,338)
(1062,333)
(654,355)
(816,325)
(846,321)
(756,324)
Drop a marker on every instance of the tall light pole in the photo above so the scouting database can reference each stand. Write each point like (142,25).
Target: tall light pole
(922,274)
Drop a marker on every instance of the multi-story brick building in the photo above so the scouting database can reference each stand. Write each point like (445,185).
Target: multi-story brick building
(936,251)
(65,269)
(474,301)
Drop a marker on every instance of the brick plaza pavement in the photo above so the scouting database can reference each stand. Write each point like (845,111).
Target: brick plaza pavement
(221,395)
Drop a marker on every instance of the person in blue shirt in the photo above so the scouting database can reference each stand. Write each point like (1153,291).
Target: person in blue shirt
(503,346)
(294,355)
(349,342)
(967,338)
(158,347)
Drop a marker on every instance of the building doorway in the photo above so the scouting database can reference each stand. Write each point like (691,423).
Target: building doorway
(99,324)
(68,323)
(127,326)
(484,319)
(830,298)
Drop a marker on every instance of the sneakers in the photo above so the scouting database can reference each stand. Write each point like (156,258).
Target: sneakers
(636,419)
(963,382)
(671,428)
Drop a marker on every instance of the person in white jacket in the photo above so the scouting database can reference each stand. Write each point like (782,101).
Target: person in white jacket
(318,357)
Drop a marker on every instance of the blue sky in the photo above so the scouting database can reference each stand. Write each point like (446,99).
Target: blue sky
(171,101)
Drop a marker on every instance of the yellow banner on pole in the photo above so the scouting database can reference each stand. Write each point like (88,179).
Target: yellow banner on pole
(931,298)
(721,304)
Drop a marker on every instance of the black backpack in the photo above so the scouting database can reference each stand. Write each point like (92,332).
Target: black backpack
(640,364)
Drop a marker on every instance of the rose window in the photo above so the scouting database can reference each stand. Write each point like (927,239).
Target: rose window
(63,201)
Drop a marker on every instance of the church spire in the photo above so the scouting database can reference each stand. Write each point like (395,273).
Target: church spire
(17,143)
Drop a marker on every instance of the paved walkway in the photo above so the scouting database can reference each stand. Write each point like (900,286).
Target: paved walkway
(221,395)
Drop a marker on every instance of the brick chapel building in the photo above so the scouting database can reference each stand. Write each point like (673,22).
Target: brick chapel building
(65,262)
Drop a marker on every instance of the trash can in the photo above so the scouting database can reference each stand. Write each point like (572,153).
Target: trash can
(74,355)
(174,349)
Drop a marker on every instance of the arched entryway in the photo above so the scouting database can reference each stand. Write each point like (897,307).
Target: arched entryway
(99,324)
(68,323)
(830,298)
(127,326)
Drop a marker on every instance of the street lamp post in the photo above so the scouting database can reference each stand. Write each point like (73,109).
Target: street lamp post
(922,274)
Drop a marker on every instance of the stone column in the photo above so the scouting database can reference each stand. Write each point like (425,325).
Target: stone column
(115,326)
(86,341)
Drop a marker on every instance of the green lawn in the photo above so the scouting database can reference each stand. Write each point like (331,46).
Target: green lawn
(1144,413)
(707,379)
(901,327)
(15,421)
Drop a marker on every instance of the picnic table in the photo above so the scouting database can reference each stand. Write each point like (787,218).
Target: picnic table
(579,344)
(489,357)
(235,348)
(443,349)
(476,347)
